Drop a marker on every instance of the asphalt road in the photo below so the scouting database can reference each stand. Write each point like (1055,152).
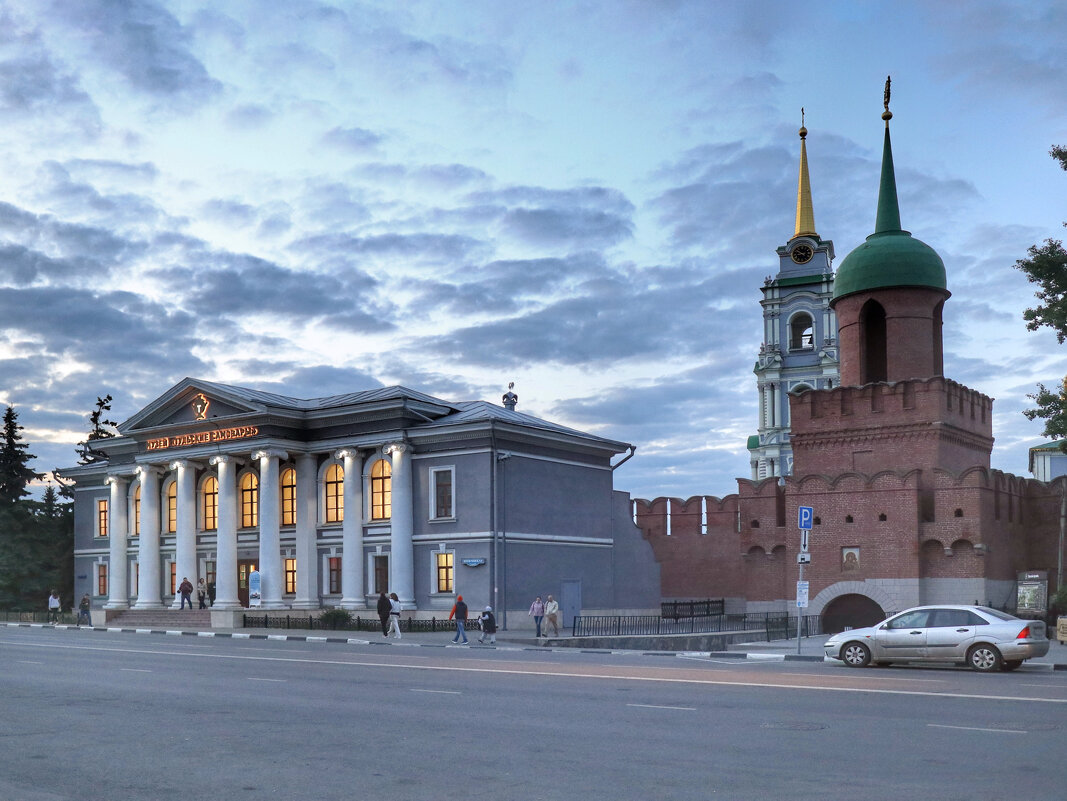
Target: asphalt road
(102,716)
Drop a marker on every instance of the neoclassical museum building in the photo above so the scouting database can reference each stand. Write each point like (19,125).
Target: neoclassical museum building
(335,499)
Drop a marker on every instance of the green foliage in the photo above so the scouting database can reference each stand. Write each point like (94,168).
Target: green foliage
(336,618)
(1052,408)
(101,429)
(15,472)
(1058,601)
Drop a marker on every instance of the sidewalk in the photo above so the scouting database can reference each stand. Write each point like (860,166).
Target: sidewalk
(811,648)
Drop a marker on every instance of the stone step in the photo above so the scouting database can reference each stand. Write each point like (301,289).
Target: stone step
(162,618)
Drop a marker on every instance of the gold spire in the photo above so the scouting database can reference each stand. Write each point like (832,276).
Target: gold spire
(805,211)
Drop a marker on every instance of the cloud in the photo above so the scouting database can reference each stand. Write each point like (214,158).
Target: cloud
(357,141)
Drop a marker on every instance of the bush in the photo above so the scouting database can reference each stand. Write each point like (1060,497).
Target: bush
(335,619)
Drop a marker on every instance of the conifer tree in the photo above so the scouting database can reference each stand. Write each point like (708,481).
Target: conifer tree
(15,472)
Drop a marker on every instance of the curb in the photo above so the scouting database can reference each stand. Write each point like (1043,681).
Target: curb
(240,635)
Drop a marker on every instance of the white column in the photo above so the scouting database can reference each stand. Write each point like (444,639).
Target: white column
(402,551)
(118,528)
(226,546)
(149,580)
(352,595)
(270,549)
(185,530)
(307,519)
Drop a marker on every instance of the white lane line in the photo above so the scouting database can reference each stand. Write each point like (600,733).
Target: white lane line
(658,706)
(135,670)
(28,662)
(548,673)
(257,678)
(438,692)
(976,728)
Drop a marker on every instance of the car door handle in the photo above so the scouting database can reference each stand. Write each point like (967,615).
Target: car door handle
(962,631)
(914,632)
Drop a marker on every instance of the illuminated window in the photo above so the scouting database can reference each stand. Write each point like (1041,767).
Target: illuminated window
(172,507)
(209,504)
(442,500)
(173,577)
(335,493)
(335,575)
(137,511)
(381,573)
(101,518)
(445,571)
(249,500)
(381,490)
(288,481)
(101,579)
(290,576)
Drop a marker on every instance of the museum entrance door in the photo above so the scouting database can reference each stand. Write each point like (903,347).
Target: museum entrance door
(244,568)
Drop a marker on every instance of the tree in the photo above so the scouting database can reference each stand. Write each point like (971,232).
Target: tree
(99,430)
(15,472)
(1046,266)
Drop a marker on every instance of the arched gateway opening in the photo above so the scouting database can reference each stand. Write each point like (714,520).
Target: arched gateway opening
(850,611)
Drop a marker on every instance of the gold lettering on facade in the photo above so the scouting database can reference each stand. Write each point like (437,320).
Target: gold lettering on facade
(201,438)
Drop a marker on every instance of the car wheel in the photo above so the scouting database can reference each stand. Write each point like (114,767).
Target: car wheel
(1011,664)
(856,654)
(984,658)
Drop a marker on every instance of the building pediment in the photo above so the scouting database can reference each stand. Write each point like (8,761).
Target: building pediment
(188,403)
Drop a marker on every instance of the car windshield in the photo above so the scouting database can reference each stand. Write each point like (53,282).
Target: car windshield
(997,613)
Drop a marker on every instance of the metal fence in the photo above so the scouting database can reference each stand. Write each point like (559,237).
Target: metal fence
(355,624)
(773,625)
(36,617)
(677,609)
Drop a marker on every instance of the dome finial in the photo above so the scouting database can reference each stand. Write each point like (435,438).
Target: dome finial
(887,115)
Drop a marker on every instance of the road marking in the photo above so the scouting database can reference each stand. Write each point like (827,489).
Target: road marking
(560,674)
(257,678)
(28,662)
(976,728)
(439,692)
(135,670)
(658,706)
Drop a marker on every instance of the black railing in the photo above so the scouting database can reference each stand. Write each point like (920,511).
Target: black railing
(773,625)
(355,624)
(677,609)
(37,617)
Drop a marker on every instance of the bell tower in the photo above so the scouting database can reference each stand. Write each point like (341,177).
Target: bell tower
(799,349)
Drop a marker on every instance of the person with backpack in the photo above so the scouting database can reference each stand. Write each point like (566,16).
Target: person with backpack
(459,613)
(488,626)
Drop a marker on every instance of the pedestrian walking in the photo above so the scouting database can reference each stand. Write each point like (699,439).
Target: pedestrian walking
(537,611)
(53,607)
(394,614)
(185,589)
(488,626)
(201,593)
(552,616)
(459,612)
(83,610)
(384,608)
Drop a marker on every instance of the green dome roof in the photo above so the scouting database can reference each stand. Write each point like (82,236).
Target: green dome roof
(891,256)
(888,259)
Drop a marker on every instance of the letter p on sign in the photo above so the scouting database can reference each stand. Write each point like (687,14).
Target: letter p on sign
(805,515)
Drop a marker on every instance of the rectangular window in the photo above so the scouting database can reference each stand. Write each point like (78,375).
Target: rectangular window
(335,575)
(209,572)
(290,576)
(101,579)
(101,518)
(173,577)
(445,571)
(381,573)
(172,507)
(289,497)
(443,497)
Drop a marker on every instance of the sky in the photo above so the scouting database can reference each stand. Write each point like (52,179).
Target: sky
(582,198)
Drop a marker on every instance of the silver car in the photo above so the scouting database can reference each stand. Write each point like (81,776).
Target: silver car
(981,637)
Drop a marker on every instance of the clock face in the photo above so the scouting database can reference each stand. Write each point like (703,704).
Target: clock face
(802,254)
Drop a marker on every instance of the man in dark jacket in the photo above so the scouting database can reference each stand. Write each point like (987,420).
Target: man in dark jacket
(459,612)
(383,612)
(185,589)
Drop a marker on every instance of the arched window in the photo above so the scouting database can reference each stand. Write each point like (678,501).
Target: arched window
(249,500)
(209,503)
(873,343)
(172,507)
(137,511)
(801,332)
(288,482)
(381,490)
(335,494)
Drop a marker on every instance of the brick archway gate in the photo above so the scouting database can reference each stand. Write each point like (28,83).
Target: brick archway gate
(852,611)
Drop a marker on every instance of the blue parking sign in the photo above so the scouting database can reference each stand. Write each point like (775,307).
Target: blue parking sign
(805,515)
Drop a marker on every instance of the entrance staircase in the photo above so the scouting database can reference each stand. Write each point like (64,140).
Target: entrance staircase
(162,619)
